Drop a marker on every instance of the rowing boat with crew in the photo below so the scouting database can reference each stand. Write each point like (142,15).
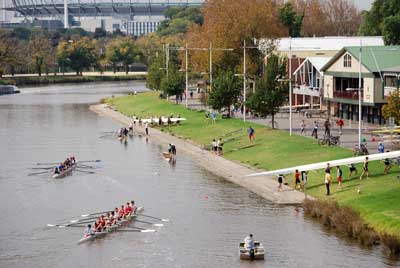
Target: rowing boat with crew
(65,172)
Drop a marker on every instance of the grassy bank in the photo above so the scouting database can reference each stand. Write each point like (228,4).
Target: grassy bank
(43,80)
(378,203)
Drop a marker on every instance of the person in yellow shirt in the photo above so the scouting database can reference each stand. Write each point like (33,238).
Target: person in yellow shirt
(328,179)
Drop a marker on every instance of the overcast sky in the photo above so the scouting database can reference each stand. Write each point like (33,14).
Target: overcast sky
(363,4)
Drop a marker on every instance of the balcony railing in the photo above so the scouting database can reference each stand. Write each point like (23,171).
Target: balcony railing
(346,94)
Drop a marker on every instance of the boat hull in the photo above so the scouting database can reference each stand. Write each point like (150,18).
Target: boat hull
(246,254)
(64,173)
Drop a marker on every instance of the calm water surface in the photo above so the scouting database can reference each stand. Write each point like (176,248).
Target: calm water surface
(208,215)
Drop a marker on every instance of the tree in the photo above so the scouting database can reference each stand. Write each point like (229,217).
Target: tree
(343,17)
(122,50)
(226,90)
(392,108)
(178,20)
(289,18)
(391,30)
(99,33)
(40,52)
(155,73)
(382,19)
(78,55)
(8,53)
(270,93)
(173,84)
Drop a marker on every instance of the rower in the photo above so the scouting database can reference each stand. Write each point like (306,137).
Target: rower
(89,231)
(56,171)
(132,205)
(121,212)
(128,209)
(102,223)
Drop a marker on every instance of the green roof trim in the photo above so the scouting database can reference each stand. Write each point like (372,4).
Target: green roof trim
(374,58)
(349,74)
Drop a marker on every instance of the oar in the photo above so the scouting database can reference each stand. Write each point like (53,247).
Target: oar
(39,164)
(37,173)
(64,225)
(88,161)
(152,223)
(42,168)
(137,231)
(84,171)
(148,216)
(96,213)
(83,166)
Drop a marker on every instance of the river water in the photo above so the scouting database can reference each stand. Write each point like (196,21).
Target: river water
(208,216)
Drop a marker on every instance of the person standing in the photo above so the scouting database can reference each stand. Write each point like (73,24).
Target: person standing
(339,176)
(251,132)
(328,179)
(327,126)
(296,179)
(146,128)
(302,127)
(207,117)
(381,148)
(314,132)
(328,168)
(280,181)
(214,116)
(365,169)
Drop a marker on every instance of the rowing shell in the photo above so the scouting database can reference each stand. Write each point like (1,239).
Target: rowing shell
(111,228)
(64,173)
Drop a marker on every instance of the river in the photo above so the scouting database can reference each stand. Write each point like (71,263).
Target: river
(208,216)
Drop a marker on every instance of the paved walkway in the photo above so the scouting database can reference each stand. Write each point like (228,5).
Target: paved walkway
(348,137)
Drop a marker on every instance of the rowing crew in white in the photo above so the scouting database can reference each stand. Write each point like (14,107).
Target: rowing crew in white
(104,222)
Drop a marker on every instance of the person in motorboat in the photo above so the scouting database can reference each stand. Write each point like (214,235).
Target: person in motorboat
(89,231)
(249,242)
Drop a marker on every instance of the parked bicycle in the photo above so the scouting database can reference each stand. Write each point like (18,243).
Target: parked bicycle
(329,140)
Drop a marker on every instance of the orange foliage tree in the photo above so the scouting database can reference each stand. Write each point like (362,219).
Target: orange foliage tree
(226,24)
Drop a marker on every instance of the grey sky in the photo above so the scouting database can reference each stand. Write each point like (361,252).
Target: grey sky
(363,4)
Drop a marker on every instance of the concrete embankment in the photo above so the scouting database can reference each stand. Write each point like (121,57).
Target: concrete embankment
(264,186)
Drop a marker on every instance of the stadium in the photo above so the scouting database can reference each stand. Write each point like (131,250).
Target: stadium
(133,17)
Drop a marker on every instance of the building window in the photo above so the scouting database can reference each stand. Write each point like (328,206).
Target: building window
(347,61)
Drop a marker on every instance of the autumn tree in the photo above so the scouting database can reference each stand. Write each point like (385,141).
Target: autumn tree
(225,92)
(226,24)
(8,52)
(40,52)
(392,108)
(122,50)
(270,92)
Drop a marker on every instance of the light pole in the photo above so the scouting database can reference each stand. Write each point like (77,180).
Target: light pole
(290,86)
(244,80)
(186,75)
(359,97)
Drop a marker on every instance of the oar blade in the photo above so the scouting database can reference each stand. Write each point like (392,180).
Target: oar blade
(158,224)
(148,231)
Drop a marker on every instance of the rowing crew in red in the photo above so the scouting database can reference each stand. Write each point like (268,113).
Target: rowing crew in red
(111,218)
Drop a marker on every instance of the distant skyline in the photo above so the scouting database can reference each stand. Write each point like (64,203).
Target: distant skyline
(361,4)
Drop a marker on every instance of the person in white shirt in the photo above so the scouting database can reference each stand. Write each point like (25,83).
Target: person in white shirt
(249,242)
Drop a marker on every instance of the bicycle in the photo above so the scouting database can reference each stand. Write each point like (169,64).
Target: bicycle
(329,140)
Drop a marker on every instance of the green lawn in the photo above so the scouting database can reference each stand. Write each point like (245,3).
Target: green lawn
(378,202)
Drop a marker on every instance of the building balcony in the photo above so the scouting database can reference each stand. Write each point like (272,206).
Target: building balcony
(306,90)
(353,95)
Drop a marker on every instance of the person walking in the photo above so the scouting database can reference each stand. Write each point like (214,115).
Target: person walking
(207,117)
(381,148)
(328,179)
(340,123)
(146,128)
(387,164)
(251,132)
(339,176)
(365,169)
(314,132)
(302,127)
(352,168)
